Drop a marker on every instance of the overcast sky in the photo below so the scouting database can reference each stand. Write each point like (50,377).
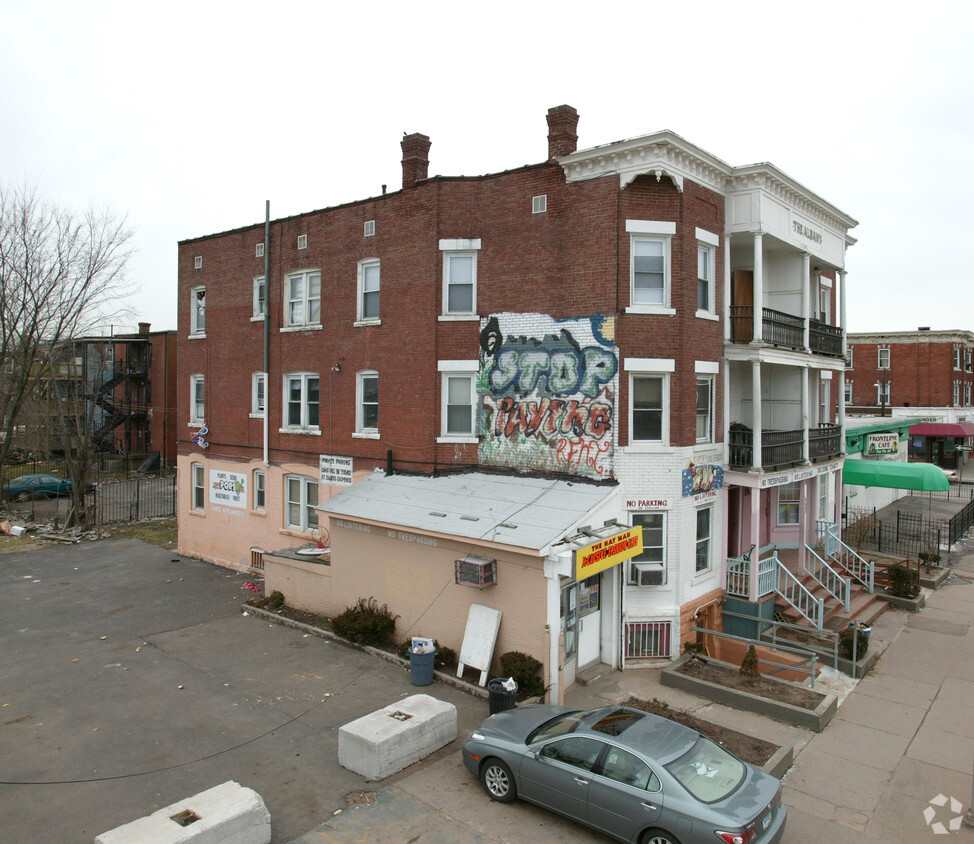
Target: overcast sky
(186,117)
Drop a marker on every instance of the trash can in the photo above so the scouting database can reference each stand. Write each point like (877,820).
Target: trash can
(500,699)
(421,668)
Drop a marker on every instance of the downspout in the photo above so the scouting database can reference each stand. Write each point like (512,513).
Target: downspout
(267,325)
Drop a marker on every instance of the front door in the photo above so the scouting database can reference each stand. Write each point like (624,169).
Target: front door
(589,621)
(742,306)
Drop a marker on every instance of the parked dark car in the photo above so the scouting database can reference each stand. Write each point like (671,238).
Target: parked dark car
(27,487)
(633,775)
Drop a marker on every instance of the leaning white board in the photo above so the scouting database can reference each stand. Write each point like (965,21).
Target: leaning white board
(479,639)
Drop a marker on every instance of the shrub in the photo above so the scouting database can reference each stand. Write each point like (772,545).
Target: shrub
(845,643)
(366,623)
(274,601)
(446,657)
(750,667)
(904,582)
(526,672)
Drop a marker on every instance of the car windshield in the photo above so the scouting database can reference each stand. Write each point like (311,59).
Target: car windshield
(559,726)
(708,771)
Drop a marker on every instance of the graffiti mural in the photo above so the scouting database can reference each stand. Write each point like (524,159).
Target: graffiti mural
(548,393)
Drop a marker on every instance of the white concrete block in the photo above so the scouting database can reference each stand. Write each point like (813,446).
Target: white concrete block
(390,739)
(228,814)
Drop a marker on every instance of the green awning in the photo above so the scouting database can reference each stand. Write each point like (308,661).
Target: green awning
(921,476)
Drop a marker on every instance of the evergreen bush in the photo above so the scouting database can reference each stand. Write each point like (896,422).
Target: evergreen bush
(366,623)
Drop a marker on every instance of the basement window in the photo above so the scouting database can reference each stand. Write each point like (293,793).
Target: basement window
(476,571)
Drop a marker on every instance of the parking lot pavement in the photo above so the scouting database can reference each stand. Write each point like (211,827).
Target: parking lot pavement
(130,680)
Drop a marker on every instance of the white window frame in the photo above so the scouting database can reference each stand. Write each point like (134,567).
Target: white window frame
(260,298)
(197,399)
(197,311)
(824,400)
(302,309)
(258,394)
(639,566)
(461,370)
(459,248)
(967,395)
(361,429)
(539,204)
(707,242)
(847,387)
(849,356)
(789,506)
(656,231)
(302,241)
(365,268)
(650,368)
(879,392)
(260,490)
(708,383)
(260,250)
(368,230)
(957,357)
(303,424)
(882,356)
(198,262)
(307,514)
(824,304)
(706,542)
(956,394)
(197,487)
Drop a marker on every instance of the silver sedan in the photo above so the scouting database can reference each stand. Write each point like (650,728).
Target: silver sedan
(638,777)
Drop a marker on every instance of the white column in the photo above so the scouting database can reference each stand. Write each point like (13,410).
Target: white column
(726,403)
(727,288)
(802,522)
(756,414)
(755,516)
(806,415)
(840,411)
(806,296)
(758,288)
(556,566)
(840,302)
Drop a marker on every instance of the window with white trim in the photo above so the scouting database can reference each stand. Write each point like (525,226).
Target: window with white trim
(369,228)
(197,406)
(883,391)
(884,358)
(848,357)
(257,392)
(459,276)
(303,298)
(302,241)
(367,402)
(707,243)
(847,386)
(956,396)
(957,357)
(825,300)
(649,568)
(301,401)
(789,501)
(704,528)
(199,487)
(198,310)
(823,498)
(539,204)
(259,482)
(705,410)
(368,289)
(823,401)
(260,297)
(198,262)
(967,395)
(649,265)
(300,503)
(260,250)
(459,395)
(647,406)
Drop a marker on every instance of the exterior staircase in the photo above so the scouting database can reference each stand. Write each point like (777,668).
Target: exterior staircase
(863,606)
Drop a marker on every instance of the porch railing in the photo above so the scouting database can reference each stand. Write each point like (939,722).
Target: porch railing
(825,339)
(781,329)
(862,570)
(778,448)
(824,441)
(740,570)
(821,572)
(797,594)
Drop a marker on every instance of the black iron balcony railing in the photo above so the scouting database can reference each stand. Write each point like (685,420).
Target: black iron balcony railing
(782,448)
(785,330)
(825,339)
(824,442)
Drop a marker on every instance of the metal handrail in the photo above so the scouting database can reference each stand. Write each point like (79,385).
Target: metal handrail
(797,594)
(741,569)
(862,570)
(831,581)
(810,657)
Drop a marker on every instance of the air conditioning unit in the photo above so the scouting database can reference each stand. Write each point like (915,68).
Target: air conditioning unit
(648,574)
(476,571)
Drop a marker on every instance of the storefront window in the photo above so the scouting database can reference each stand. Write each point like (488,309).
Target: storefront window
(569,618)
(588,595)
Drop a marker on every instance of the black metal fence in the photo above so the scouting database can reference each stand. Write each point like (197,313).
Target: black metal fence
(904,534)
(122,490)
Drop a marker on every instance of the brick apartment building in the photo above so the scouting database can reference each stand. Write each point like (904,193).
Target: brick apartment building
(471,380)
(924,374)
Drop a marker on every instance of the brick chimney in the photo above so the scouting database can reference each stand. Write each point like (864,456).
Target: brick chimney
(415,159)
(562,137)
(144,327)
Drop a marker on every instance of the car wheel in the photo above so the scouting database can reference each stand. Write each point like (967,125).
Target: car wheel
(498,781)
(22,496)
(657,836)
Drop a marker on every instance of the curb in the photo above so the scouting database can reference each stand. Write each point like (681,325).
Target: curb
(449,679)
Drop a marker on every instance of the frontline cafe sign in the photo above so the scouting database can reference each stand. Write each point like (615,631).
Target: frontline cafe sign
(608,552)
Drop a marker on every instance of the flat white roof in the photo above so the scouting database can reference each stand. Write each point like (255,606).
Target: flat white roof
(527,512)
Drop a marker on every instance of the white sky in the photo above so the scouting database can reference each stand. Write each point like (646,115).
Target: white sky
(188,116)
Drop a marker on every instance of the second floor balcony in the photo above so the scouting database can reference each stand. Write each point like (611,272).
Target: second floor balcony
(781,449)
(785,330)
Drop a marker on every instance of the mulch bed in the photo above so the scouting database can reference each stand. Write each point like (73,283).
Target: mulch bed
(750,749)
(731,678)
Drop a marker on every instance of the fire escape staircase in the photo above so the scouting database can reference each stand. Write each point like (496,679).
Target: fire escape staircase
(836,587)
(114,414)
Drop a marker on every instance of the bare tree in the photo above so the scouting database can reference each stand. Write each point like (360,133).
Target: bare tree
(61,273)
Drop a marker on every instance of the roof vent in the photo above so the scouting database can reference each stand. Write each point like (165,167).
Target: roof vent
(924,328)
